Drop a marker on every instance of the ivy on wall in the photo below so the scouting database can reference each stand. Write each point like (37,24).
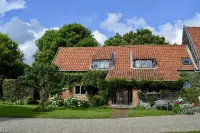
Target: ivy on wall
(95,83)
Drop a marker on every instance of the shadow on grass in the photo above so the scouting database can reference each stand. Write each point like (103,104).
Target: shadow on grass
(31,111)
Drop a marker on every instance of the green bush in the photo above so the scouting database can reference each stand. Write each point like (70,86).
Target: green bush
(71,102)
(176,108)
(191,95)
(97,100)
(19,102)
(29,101)
(186,109)
(83,104)
(56,101)
(196,109)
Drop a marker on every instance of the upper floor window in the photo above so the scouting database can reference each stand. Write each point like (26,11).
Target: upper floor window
(144,63)
(101,64)
(186,61)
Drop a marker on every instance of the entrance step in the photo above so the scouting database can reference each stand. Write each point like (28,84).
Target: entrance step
(119,113)
(120,106)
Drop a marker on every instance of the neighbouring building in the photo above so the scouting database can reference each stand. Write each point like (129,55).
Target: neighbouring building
(156,62)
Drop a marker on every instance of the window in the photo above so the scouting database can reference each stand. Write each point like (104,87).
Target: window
(101,64)
(79,90)
(186,85)
(186,61)
(144,63)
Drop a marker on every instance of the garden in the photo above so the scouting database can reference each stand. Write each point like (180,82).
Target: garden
(37,94)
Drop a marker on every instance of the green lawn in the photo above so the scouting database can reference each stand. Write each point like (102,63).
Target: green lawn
(186,132)
(142,113)
(29,111)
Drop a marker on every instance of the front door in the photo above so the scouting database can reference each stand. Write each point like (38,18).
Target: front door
(123,96)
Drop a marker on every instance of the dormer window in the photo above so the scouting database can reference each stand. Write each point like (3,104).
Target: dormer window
(101,64)
(186,61)
(144,63)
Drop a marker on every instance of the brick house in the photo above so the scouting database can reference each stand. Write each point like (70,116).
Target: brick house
(157,62)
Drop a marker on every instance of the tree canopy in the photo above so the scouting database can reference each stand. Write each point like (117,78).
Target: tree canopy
(70,35)
(11,59)
(45,78)
(141,36)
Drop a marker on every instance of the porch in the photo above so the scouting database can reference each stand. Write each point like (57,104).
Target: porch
(124,98)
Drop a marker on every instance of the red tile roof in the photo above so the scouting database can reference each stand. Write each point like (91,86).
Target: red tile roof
(195,35)
(168,60)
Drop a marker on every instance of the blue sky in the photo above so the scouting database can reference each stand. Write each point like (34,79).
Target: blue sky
(27,20)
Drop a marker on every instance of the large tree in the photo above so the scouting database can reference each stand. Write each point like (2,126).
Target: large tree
(141,36)
(45,78)
(71,35)
(11,59)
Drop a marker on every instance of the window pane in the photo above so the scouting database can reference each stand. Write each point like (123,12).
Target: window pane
(95,64)
(186,85)
(83,90)
(101,64)
(186,61)
(138,63)
(149,64)
(106,63)
(144,63)
(154,63)
(77,89)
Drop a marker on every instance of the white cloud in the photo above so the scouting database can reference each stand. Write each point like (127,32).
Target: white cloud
(6,6)
(136,21)
(112,23)
(25,33)
(99,37)
(172,32)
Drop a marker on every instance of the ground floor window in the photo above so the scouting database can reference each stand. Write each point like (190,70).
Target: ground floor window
(79,90)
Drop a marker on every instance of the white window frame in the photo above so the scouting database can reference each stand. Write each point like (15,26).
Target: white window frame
(79,90)
(104,64)
(141,67)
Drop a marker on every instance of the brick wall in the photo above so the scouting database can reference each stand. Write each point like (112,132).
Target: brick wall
(66,93)
(135,97)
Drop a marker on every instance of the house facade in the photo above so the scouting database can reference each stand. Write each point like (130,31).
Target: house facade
(156,62)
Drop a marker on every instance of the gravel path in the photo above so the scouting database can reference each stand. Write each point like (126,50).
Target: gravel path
(122,125)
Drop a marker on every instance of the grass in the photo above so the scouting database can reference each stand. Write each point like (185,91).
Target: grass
(186,132)
(29,111)
(142,113)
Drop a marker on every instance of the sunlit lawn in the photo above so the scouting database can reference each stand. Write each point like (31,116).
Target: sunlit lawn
(186,132)
(29,111)
(142,113)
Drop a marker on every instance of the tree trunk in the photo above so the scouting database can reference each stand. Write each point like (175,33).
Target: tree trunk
(35,95)
(43,98)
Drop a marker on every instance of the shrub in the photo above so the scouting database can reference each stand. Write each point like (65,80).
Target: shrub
(176,108)
(71,102)
(19,102)
(56,101)
(196,109)
(97,100)
(186,109)
(103,107)
(83,104)
(30,100)
(191,95)
(132,108)
(144,105)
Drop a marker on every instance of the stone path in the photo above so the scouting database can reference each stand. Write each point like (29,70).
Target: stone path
(119,113)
